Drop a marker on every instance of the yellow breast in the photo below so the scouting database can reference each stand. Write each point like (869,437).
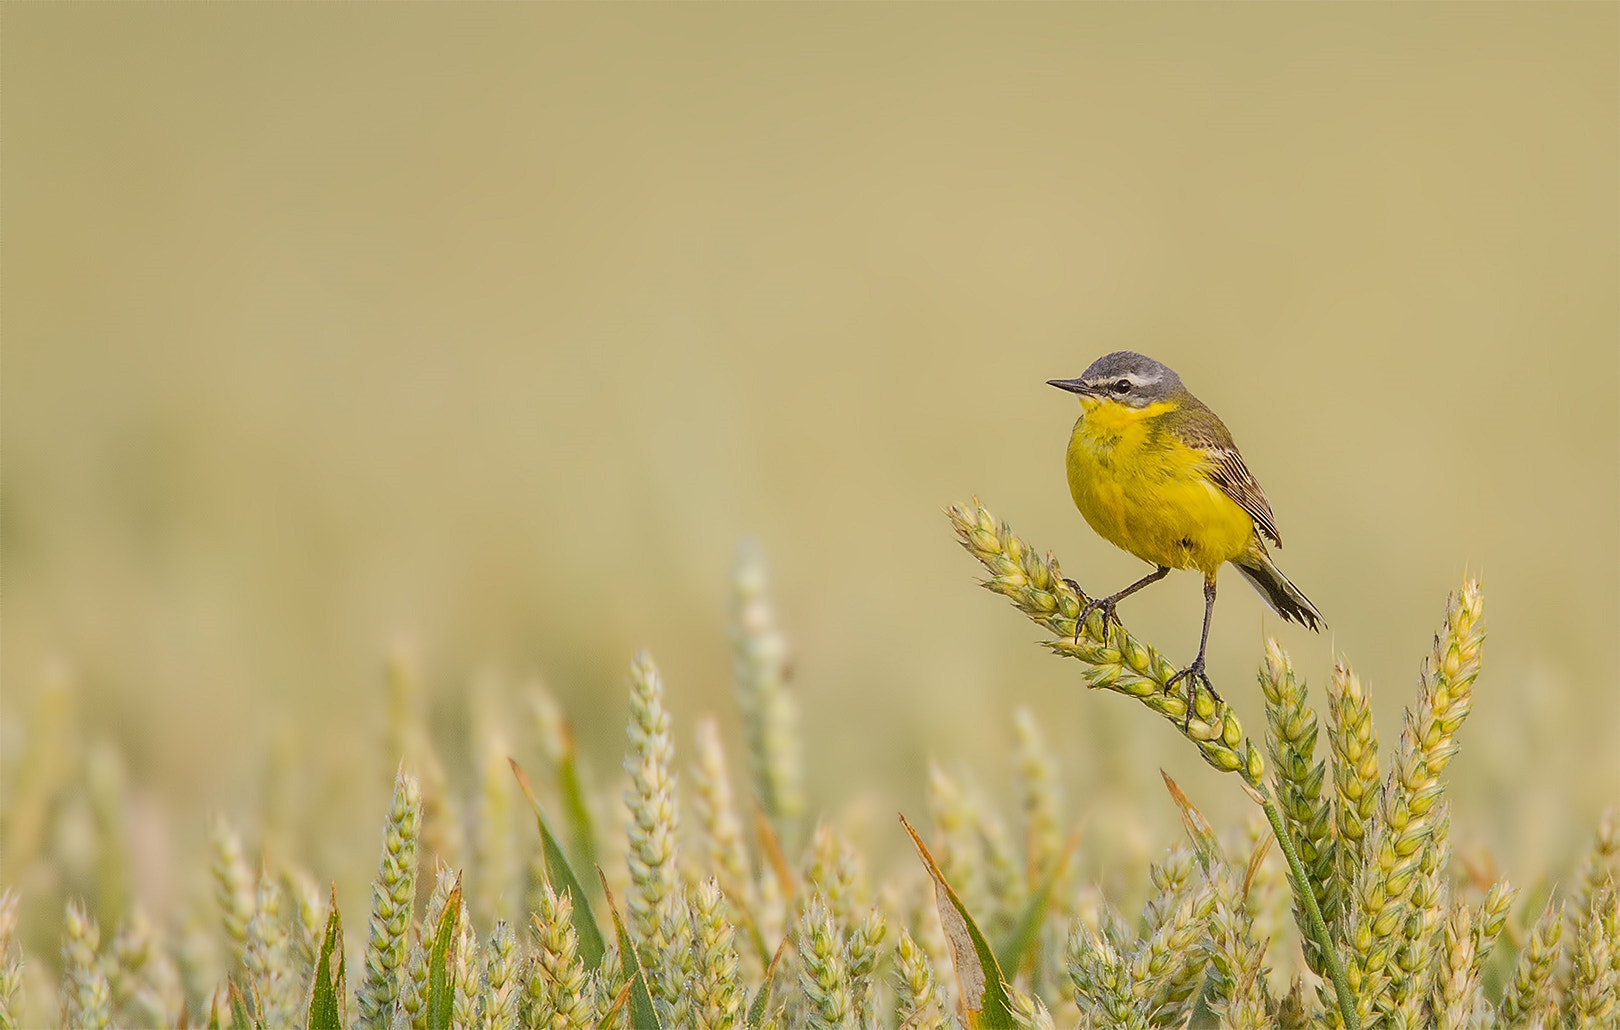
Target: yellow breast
(1146,492)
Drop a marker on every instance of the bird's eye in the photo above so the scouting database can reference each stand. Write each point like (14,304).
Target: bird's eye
(1122,386)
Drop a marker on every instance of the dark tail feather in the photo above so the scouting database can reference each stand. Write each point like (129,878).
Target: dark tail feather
(1284,597)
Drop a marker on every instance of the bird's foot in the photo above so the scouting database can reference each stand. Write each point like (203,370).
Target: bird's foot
(1106,605)
(1194,674)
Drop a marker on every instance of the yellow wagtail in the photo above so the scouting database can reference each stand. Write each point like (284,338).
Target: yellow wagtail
(1156,473)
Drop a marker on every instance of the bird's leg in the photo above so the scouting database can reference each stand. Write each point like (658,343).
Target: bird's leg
(1107,603)
(1194,673)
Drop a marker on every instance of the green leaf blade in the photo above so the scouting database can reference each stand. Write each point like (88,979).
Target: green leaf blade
(561,876)
(984,989)
(643,1016)
(326,1002)
(762,997)
(441,985)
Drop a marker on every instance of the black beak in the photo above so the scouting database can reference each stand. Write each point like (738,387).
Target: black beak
(1071,385)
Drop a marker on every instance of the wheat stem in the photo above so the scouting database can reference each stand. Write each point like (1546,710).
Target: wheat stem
(654,821)
(393,899)
(1318,926)
(770,714)
(1291,734)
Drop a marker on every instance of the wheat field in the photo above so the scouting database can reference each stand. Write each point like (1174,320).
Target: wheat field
(380,383)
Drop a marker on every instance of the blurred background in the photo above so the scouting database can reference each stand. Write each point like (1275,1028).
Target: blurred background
(496,328)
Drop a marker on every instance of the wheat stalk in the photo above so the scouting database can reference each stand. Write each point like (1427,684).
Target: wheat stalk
(1406,818)
(494,859)
(1040,796)
(824,978)
(862,950)
(559,991)
(1594,980)
(86,997)
(1368,855)
(1291,733)
(1412,957)
(393,899)
(1356,778)
(407,741)
(1118,662)
(468,973)
(267,957)
(1529,991)
(769,711)
(233,887)
(723,846)
(1102,985)
(655,907)
(145,985)
(917,999)
(1238,971)
(1598,869)
(502,974)
(717,991)
(958,846)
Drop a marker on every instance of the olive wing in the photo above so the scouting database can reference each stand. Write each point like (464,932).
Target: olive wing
(1205,432)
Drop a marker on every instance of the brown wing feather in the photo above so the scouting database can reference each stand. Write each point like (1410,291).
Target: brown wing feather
(1234,477)
(1202,429)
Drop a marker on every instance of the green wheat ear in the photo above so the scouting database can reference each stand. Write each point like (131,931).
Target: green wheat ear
(1601,867)
(917,998)
(558,988)
(1529,992)
(233,887)
(1368,855)
(724,849)
(769,710)
(1291,735)
(1356,778)
(1117,662)
(86,997)
(1409,825)
(657,909)
(717,988)
(393,901)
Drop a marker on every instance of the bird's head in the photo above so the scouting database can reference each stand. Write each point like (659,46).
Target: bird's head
(1123,377)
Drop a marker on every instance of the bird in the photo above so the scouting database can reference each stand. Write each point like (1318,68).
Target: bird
(1155,472)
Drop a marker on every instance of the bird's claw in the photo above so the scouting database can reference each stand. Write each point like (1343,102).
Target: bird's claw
(1107,605)
(1194,674)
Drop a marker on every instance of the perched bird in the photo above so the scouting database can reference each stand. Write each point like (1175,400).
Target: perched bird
(1156,473)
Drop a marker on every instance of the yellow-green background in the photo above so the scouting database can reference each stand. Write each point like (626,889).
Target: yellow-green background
(498,327)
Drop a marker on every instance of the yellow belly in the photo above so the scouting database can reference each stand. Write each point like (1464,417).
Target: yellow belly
(1148,494)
